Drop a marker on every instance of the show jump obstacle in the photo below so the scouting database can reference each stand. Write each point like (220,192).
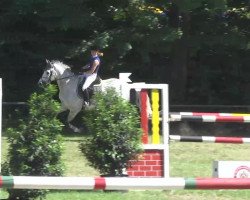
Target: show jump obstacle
(156,153)
(154,162)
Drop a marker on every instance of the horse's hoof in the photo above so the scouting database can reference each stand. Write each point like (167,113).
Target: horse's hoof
(90,107)
(74,129)
(77,130)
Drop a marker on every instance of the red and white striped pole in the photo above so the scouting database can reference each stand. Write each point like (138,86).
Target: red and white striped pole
(211,139)
(210,118)
(100,183)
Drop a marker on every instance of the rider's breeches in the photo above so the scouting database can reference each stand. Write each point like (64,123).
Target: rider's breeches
(90,78)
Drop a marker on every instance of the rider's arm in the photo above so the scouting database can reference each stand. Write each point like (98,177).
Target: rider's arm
(94,65)
(86,66)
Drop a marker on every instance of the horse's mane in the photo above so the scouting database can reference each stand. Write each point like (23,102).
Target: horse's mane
(57,62)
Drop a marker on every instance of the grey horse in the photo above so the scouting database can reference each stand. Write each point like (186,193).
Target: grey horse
(68,83)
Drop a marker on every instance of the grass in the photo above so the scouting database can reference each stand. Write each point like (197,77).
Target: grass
(196,159)
(186,160)
(74,161)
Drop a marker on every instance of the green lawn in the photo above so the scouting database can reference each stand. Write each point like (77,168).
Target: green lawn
(186,160)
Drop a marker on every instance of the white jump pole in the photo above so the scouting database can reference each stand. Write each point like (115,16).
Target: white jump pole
(165,129)
(1,95)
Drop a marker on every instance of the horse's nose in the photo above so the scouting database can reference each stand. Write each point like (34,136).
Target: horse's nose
(40,82)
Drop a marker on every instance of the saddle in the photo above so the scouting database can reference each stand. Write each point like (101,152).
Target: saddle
(90,89)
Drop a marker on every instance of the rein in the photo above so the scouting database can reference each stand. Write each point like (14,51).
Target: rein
(65,77)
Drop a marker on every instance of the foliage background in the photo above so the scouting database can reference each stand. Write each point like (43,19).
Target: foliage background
(201,48)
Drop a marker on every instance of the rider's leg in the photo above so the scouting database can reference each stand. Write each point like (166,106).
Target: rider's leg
(89,79)
(86,95)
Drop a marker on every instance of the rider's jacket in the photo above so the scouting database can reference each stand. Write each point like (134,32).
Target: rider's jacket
(91,61)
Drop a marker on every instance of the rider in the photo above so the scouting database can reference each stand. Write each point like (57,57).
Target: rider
(92,69)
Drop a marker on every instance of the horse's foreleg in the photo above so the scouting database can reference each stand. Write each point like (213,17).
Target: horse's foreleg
(62,108)
(60,115)
(71,116)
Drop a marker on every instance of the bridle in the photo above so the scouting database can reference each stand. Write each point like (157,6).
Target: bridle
(58,79)
(65,77)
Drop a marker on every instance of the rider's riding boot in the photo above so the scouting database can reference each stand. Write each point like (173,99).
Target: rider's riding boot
(86,97)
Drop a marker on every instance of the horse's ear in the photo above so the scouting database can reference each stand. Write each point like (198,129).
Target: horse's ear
(48,62)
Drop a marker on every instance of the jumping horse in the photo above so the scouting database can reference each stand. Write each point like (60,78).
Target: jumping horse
(68,83)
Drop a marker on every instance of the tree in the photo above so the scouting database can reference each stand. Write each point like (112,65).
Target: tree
(187,44)
(32,31)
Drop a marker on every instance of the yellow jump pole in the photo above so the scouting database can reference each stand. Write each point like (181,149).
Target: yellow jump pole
(155,117)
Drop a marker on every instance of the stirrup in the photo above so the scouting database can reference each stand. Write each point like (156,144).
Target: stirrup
(86,103)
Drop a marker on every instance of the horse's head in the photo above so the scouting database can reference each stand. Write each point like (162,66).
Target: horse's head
(49,74)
